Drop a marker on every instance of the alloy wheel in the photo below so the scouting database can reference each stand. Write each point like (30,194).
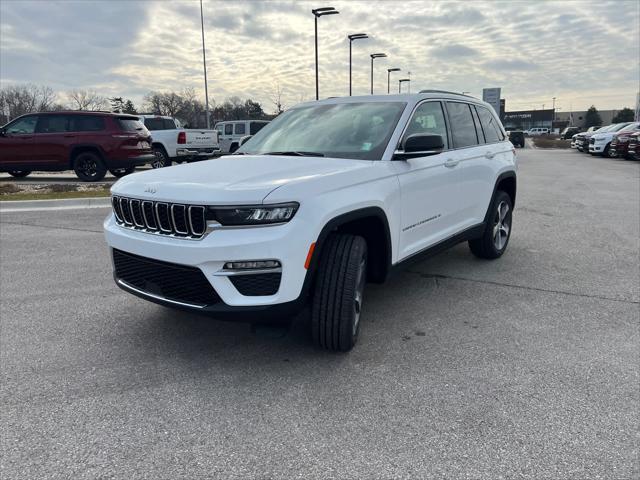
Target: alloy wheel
(501,226)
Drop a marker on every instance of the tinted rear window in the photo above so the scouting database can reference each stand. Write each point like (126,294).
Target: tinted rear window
(462,127)
(159,124)
(255,127)
(130,124)
(86,123)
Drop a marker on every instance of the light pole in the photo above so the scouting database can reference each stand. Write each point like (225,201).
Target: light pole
(355,36)
(554,109)
(319,12)
(400,82)
(389,70)
(204,63)
(375,55)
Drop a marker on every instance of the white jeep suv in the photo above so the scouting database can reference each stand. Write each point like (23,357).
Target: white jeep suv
(330,195)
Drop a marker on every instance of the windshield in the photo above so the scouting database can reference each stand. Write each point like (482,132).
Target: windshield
(630,127)
(342,130)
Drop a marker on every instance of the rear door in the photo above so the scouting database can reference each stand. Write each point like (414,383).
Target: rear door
(227,136)
(17,146)
(53,136)
(428,185)
(471,153)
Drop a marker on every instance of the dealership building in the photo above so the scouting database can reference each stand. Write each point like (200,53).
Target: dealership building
(551,119)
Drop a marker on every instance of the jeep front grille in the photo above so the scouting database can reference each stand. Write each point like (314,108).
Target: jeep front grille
(175,219)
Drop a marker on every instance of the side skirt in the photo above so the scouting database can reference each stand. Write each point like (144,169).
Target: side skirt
(469,234)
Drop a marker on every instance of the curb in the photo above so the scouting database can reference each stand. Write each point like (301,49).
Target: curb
(63,204)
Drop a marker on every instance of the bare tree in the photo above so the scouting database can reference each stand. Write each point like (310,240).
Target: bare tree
(276,98)
(86,100)
(16,100)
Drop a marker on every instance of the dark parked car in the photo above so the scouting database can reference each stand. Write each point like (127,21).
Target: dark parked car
(90,143)
(633,146)
(569,132)
(517,138)
(620,141)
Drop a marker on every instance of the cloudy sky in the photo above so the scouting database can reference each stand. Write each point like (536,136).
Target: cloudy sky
(581,52)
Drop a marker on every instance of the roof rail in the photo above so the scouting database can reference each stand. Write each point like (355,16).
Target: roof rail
(445,91)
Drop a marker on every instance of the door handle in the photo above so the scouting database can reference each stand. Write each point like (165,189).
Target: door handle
(489,155)
(450,163)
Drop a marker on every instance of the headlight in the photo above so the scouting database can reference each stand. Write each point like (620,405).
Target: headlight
(253,215)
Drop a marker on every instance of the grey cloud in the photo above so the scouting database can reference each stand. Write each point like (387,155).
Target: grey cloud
(453,51)
(511,65)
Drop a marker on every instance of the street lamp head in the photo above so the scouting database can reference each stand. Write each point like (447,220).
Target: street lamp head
(378,55)
(393,69)
(319,12)
(404,80)
(357,36)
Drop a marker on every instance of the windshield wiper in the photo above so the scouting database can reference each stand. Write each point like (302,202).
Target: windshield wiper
(296,153)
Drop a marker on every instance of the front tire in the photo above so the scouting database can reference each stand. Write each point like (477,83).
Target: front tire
(338,293)
(495,238)
(19,173)
(89,167)
(161,160)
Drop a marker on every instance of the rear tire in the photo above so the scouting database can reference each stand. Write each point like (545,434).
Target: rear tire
(161,160)
(19,173)
(338,292)
(495,238)
(121,172)
(89,167)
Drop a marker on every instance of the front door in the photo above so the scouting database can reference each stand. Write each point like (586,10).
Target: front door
(428,185)
(227,137)
(17,147)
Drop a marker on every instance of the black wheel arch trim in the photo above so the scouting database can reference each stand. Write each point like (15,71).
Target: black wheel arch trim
(501,177)
(82,146)
(332,225)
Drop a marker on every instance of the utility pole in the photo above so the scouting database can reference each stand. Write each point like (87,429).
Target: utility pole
(204,63)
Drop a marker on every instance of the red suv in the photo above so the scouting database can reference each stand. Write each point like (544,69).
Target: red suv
(89,143)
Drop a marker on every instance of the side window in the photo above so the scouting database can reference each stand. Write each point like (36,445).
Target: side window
(240,129)
(228,129)
(169,124)
(428,118)
(482,138)
(492,130)
(219,127)
(154,123)
(53,124)
(255,127)
(86,123)
(24,126)
(463,129)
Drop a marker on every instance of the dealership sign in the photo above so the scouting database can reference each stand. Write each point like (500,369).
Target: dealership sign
(492,97)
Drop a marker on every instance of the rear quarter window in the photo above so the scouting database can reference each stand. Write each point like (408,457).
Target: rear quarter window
(492,131)
(87,123)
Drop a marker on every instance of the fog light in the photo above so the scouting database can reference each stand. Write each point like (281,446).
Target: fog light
(253,265)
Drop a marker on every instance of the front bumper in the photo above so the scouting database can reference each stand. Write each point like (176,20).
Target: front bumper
(288,243)
(597,147)
(197,152)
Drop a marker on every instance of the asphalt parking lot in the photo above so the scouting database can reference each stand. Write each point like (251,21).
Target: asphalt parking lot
(525,367)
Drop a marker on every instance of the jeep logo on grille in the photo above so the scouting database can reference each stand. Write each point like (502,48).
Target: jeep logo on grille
(149,189)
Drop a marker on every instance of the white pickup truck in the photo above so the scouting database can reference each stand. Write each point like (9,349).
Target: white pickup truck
(171,142)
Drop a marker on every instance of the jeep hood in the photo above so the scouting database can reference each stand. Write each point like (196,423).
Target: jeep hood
(238,179)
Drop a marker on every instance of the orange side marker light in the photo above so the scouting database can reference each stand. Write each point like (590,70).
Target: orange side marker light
(309,256)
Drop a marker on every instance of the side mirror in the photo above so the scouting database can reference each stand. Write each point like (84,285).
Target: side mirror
(245,139)
(420,145)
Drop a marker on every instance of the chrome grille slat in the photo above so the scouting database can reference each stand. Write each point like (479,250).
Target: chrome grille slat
(161,218)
